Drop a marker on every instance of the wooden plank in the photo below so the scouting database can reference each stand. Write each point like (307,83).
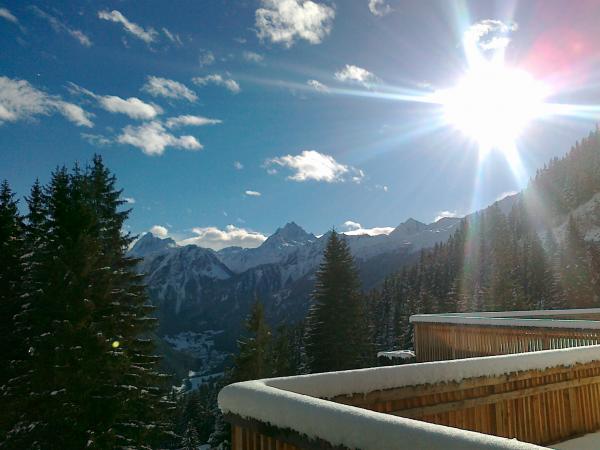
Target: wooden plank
(493,398)
(428,389)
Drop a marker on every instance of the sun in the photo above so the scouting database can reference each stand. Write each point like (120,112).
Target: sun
(493,104)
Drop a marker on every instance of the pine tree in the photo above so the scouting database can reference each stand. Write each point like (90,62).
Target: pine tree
(190,440)
(254,359)
(12,350)
(337,333)
(87,328)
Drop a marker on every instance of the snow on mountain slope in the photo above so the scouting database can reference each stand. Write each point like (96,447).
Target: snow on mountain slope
(174,272)
(277,248)
(148,244)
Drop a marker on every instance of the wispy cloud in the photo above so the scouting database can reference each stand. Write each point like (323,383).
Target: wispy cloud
(379,8)
(132,106)
(216,239)
(173,37)
(7,15)
(189,120)
(97,140)
(163,87)
(253,57)
(312,165)
(238,165)
(490,34)
(356,229)
(19,100)
(129,200)
(253,193)
(148,35)
(153,138)
(354,74)
(218,80)
(317,86)
(60,27)
(286,21)
(206,58)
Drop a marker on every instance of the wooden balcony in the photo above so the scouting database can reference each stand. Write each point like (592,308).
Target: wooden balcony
(439,337)
(518,401)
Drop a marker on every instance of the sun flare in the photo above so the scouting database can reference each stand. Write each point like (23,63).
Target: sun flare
(493,104)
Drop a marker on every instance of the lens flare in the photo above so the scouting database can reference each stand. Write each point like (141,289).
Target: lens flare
(493,104)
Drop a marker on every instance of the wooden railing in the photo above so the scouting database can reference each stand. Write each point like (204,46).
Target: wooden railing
(440,337)
(540,406)
(537,398)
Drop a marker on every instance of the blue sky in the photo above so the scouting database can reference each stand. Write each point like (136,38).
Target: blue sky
(200,106)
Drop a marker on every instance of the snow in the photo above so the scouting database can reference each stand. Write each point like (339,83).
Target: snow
(202,347)
(402,354)
(299,402)
(349,426)
(587,442)
(515,318)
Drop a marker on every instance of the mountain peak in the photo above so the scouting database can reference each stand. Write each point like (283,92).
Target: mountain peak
(290,233)
(149,243)
(410,226)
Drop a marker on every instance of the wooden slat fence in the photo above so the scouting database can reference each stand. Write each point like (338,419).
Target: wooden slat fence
(443,341)
(540,407)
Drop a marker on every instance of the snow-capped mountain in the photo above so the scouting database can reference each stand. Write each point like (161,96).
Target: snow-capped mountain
(277,248)
(198,290)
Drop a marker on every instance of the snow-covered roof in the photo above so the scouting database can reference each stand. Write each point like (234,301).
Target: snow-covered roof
(540,319)
(298,403)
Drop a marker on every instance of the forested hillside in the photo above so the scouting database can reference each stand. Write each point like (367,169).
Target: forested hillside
(543,254)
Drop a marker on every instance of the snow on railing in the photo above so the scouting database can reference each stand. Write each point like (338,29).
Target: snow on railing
(299,403)
(542,318)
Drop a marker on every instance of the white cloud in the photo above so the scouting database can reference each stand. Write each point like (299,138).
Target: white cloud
(163,87)
(61,27)
(129,200)
(443,214)
(96,139)
(152,138)
(489,34)
(215,238)
(356,229)
(218,80)
(147,35)
(159,231)
(383,187)
(173,37)
(312,165)
(190,121)
(351,226)
(253,57)
(19,100)
(238,165)
(206,58)
(74,113)
(379,7)
(7,15)
(285,21)
(354,74)
(317,86)
(132,106)
(253,193)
